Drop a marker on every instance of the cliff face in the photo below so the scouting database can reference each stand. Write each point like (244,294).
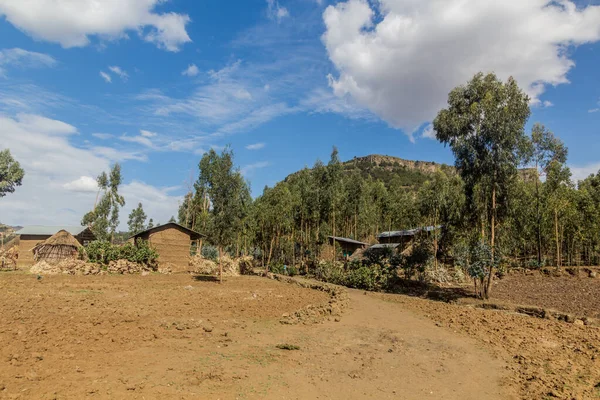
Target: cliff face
(390,163)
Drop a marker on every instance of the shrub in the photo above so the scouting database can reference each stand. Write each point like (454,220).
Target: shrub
(102,252)
(210,253)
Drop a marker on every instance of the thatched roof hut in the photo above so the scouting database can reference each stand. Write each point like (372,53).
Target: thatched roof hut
(60,246)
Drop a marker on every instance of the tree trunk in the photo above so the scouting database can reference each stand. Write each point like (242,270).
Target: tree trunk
(557,238)
(333,229)
(488,284)
(270,253)
(220,264)
(539,219)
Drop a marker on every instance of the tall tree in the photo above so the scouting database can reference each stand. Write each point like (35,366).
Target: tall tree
(226,189)
(104,218)
(137,220)
(547,149)
(484,126)
(334,186)
(150,224)
(11,173)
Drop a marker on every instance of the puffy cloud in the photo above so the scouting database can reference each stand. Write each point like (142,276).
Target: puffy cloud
(59,188)
(106,77)
(23,58)
(400,58)
(428,132)
(191,70)
(255,146)
(84,184)
(70,23)
(118,71)
(159,203)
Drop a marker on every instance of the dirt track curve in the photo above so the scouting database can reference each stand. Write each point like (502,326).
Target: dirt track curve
(175,337)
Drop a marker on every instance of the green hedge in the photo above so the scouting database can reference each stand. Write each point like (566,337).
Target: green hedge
(102,252)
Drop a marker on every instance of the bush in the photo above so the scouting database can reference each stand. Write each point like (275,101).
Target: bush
(372,277)
(102,252)
(210,253)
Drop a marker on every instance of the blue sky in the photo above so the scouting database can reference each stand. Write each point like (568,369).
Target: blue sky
(153,84)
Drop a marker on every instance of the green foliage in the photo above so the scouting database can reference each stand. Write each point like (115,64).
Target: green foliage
(418,260)
(11,173)
(137,220)
(210,253)
(104,218)
(358,275)
(103,252)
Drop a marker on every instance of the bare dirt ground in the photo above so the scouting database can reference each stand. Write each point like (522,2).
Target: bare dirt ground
(546,359)
(575,295)
(176,337)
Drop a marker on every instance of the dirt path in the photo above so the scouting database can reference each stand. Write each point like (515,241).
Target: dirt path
(173,337)
(379,350)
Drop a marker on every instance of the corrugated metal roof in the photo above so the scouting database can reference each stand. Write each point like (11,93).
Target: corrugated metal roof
(384,246)
(50,230)
(341,239)
(410,232)
(169,224)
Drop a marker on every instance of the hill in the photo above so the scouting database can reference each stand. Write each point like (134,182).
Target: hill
(411,174)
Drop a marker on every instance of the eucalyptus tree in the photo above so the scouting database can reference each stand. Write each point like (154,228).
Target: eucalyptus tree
(225,189)
(484,125)
(137,220)
(558,188)
(11,173)
(104,218)
(547,149)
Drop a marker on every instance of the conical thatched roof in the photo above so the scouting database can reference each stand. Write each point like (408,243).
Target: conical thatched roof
(60,246)
(61,238)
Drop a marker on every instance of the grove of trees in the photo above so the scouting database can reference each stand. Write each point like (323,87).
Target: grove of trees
(509,201)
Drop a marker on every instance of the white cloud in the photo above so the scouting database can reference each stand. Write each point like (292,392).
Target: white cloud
(148,134)
(59,187)
(103,136)
(428,132)
(247,170)
(84,184)
(255,146)
(70,23)
(400,58)
(276,11)
(232,100)
(579,173)
(191,70)
(106,77)
(143,140)
(118,71)
(24,59)
(159,203)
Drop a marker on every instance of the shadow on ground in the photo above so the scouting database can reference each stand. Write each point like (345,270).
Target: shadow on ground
(431,291)
(206,278)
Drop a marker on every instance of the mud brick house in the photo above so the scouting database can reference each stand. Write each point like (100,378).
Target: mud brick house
(173,243)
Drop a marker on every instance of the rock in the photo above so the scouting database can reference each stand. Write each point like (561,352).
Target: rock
(593,274)
(145,273)
(207,328)
(579,322)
